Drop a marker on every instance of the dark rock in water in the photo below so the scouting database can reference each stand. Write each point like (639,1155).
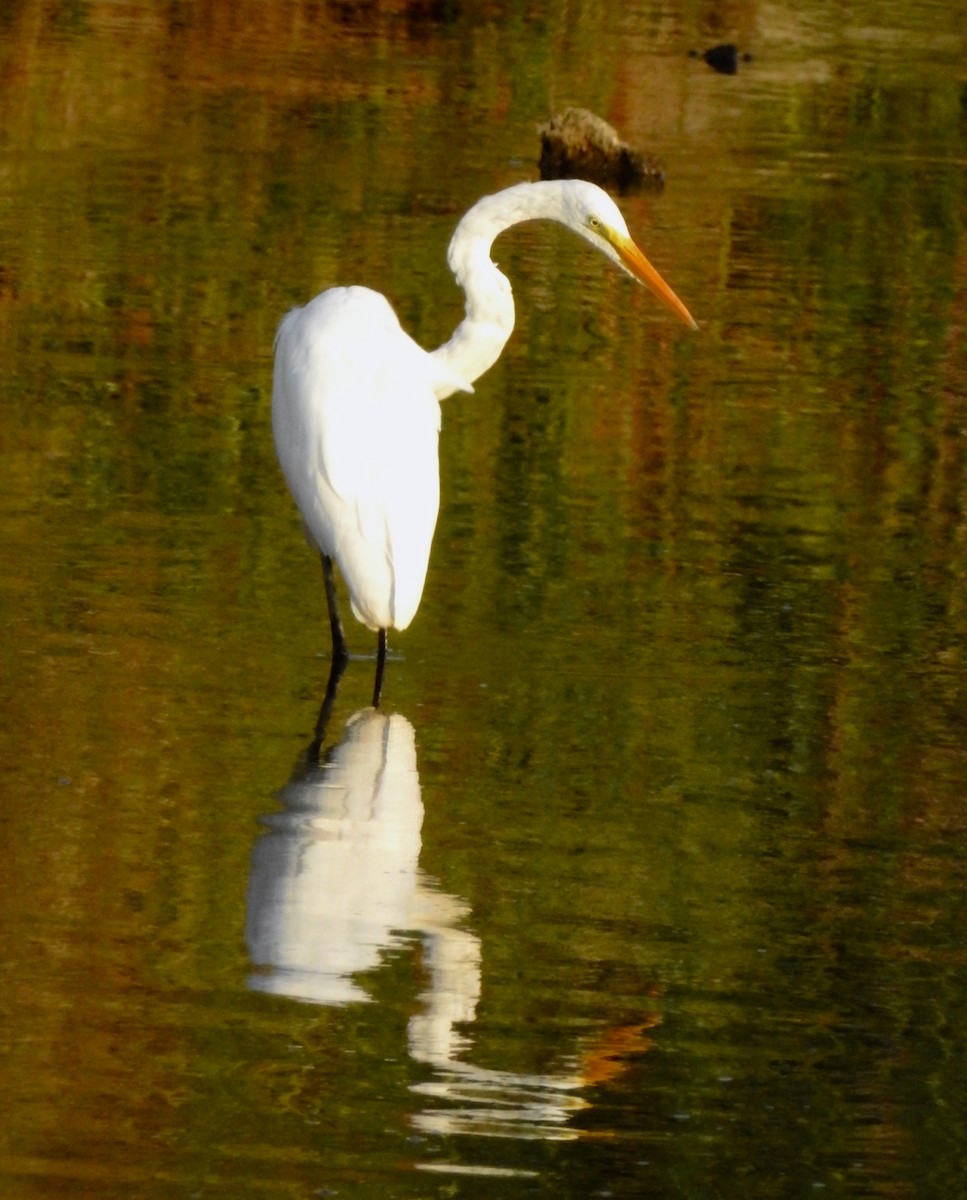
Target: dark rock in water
(575,144)
(725,58)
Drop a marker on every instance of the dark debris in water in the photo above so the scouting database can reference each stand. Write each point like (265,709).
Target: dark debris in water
(725,58)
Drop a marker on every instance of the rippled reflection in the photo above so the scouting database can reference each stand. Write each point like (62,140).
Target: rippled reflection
(336,876)
(335,884)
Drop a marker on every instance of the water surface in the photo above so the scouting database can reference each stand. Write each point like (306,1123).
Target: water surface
(648,880)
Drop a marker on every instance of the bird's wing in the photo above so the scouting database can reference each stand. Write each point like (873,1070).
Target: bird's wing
(356,420)
(351,372)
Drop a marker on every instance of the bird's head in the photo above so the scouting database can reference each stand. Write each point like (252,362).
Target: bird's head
(591,212)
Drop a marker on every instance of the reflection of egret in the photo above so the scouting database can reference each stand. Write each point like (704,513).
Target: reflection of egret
(355,402)
(336,883)
(334,878)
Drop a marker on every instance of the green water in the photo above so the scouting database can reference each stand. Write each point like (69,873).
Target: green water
(650,879)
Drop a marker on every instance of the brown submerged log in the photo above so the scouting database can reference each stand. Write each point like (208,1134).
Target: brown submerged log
(576,144)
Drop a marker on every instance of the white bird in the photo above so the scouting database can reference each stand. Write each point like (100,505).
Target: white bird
(356,402)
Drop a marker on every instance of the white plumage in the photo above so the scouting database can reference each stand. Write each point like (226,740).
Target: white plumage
(356,421)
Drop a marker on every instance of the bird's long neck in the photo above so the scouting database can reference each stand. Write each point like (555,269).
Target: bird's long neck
(480,337)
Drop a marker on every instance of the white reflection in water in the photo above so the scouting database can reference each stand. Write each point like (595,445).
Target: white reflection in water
(336,880)
(336,876)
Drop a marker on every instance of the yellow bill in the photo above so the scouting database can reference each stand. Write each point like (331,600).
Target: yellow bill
(639,266)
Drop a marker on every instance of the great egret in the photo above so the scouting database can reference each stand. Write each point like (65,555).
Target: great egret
(356,402)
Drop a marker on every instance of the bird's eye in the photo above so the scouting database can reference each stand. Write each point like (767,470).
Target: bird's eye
(594,222)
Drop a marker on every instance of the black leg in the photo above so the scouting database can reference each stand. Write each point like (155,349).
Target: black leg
(340,652)
(335,674)
(380,664)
